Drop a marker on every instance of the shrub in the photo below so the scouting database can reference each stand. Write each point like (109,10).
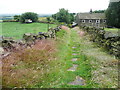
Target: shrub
(29,15)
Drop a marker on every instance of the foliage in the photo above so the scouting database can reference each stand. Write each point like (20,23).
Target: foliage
(29,15)
(64,16)
(99,11)
(48,19)
(113,14)
(17,17)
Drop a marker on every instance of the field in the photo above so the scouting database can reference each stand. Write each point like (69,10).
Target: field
(47,64)
(113,30)
(16,29)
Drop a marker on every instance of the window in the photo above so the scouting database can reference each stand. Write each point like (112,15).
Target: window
(97,21)
(104,21)
(90,21)
(83,21)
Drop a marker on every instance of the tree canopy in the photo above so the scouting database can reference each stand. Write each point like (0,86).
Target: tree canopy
(113,14)
(17,17)
(64,16)
(99,11)
(29,15)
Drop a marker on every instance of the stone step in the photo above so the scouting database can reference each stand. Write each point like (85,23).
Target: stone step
(75,51)
(74,47)
(73,68)
(74,59)
(78,81)
(74,54)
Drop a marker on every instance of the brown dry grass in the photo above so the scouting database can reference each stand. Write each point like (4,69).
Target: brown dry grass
(26,67)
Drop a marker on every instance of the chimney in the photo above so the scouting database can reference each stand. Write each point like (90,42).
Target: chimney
(90,11)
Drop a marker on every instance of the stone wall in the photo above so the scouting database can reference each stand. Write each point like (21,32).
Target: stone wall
(108,40)
(8,44)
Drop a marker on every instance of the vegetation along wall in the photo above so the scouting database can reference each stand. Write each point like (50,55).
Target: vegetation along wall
(108,40)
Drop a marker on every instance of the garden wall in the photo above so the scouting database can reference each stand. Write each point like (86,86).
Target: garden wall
(108,40)
(8,44)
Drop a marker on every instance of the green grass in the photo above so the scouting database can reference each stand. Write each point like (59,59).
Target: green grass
(16,29)
(54,74)
(59,77)
(111,29)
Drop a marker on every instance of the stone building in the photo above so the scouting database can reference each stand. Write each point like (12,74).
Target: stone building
(91,19)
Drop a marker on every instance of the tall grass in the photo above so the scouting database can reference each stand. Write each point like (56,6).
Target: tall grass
(25,68)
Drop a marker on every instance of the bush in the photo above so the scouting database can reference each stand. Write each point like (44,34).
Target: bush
(64,16)
(29,15)
(17,17)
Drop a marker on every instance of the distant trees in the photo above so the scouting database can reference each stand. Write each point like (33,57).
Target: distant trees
(17,17)
(99,11)
(28,15)
(113,14)
(64,16)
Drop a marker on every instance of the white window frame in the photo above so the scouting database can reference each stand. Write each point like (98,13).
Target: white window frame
(104,21)
(90,21)
(83,21)
(97,21)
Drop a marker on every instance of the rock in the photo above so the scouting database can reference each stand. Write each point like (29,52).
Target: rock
(1,50)
(78,81)
(73,68)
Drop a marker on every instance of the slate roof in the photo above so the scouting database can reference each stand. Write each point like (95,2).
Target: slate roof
(91,16)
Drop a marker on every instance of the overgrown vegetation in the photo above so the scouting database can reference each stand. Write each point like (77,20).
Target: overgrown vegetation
(104,70)
(27,67)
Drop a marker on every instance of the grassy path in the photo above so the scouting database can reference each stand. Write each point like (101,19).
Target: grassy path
(68,57)
(75,68)
(69,61)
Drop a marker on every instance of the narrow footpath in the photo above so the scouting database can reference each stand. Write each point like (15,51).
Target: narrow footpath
(84,69)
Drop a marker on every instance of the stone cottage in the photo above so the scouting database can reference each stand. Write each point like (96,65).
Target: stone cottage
(91,19)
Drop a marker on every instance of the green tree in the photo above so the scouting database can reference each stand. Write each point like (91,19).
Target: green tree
(64,16)
(99,11)
(29,15)
(17,17)
(113,14)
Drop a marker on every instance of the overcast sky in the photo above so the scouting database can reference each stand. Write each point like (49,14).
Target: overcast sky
(50,6)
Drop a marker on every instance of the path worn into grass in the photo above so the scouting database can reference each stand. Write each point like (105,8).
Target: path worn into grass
(69,61)
(79,80)
(87,69)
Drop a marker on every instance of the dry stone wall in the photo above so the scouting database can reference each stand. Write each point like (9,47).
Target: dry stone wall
(8,44)
(110,41)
